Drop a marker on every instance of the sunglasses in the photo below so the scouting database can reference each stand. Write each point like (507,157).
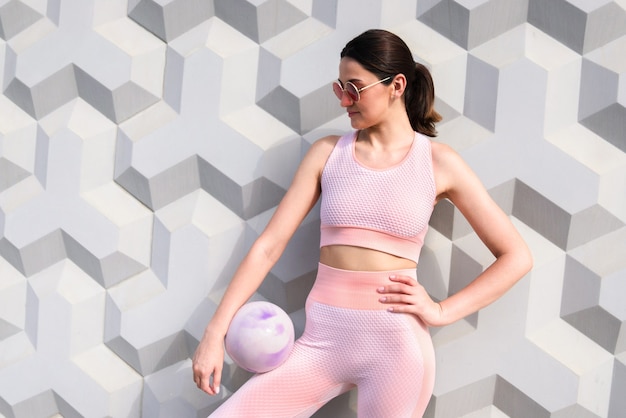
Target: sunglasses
(353,92)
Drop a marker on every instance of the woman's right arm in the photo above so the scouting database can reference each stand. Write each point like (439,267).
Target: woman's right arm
(264,253)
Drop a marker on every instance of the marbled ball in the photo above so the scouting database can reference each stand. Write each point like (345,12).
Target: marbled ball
(260,337)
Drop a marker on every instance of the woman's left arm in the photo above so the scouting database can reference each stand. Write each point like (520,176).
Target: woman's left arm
(456,181)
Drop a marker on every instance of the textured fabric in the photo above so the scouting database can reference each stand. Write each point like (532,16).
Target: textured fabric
(386,210)
(388,357)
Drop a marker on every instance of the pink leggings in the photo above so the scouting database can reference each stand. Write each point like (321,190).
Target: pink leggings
(350,340)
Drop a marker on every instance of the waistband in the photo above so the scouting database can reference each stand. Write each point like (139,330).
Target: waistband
(352,289)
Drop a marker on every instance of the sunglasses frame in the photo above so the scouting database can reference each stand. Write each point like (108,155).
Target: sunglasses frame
(357,91)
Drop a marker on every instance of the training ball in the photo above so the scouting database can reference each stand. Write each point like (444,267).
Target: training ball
(260,337)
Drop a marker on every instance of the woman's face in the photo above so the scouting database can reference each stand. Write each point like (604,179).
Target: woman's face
(374,101)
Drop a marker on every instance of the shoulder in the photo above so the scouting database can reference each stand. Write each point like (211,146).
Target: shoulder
(326,142)
(322,148)
(451,172)
(447,161)
(315,158)
(443,153)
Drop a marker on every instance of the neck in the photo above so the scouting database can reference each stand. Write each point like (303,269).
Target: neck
(388,134)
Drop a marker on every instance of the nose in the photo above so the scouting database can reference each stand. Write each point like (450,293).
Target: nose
(346,100)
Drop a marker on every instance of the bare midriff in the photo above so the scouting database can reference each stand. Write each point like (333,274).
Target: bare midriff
(348,257)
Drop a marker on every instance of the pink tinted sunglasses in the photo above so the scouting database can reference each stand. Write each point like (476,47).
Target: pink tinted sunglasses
(353,92)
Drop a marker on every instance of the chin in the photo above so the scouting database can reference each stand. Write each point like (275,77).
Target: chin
(357,124)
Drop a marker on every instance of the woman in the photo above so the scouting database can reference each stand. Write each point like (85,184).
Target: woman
(367,315)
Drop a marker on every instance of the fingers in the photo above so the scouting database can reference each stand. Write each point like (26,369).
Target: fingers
(217,377)
(405,295)
(395,294)
(206,384)
(396,300)
(402,294)
(403,285)
(402,279)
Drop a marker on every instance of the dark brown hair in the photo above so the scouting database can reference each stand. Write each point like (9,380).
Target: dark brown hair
(384,54)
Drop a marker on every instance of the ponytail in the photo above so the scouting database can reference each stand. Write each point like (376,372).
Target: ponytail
(420,102)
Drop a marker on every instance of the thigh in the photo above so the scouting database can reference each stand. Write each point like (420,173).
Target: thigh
(401,379)
(297,388)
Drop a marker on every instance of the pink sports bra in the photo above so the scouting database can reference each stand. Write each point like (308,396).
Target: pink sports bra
(382,209)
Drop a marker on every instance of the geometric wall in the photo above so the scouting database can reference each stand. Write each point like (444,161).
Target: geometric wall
(144,145)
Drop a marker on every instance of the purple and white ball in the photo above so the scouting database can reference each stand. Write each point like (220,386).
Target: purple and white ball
(260,337)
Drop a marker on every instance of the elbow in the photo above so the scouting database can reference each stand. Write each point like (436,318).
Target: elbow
(518,261)
(267,250)
(531,262)
(525,260)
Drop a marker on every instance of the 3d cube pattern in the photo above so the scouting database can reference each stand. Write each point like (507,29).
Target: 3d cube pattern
(145,144)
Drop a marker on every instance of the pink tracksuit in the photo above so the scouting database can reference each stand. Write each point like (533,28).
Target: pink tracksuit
(350,339)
